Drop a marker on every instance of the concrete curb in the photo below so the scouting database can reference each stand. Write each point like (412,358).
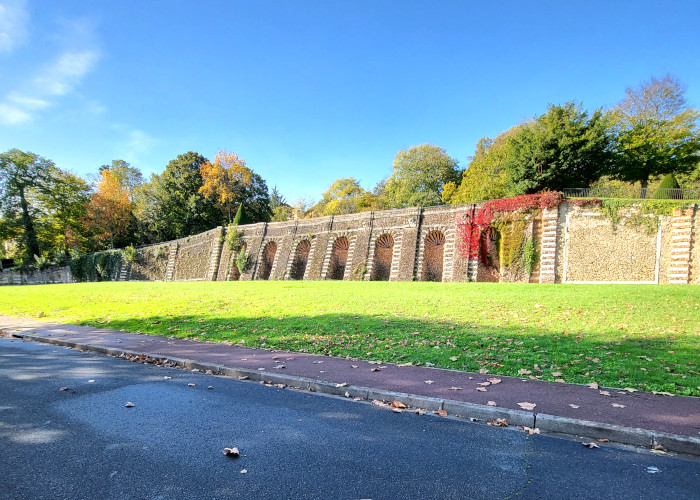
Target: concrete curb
(546,423)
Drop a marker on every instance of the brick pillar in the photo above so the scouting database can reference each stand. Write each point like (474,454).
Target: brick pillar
(682,232)
(548,245)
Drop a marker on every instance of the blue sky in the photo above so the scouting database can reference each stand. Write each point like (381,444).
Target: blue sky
(312,91)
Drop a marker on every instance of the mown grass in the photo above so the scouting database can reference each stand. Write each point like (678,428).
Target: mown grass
(645,337)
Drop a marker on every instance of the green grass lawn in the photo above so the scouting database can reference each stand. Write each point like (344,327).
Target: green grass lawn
(645,337)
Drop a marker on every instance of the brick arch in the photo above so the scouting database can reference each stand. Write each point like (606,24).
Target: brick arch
(339,257)
(267,259)
(433,255)
(383,256)
(301,258)
(235,274)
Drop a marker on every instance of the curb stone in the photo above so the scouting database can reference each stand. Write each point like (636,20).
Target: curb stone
(546,423)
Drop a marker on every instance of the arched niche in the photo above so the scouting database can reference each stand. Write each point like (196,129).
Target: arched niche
(433,255)
(301,258)
(383,255)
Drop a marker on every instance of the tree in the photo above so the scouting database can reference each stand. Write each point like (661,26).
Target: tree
(419,174)
(171,205)
(228,182)
(562,148)
(485,178)
(340,198)
(655,132)
(276,199)
(130,178)
(60,225)
(241,217)
(23,176)
(109,215)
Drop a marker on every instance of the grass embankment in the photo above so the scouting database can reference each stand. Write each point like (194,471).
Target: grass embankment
(644,337)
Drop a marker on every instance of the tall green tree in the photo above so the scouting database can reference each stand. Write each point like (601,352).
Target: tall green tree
(40,204)
(563,148)
(171,204)
(656,132)
(276,199)
(419,174)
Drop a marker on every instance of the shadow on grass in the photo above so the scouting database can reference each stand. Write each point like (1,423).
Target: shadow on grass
(647,363)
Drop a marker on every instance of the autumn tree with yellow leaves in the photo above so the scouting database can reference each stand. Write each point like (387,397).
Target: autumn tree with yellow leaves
(228,182)
(109,213)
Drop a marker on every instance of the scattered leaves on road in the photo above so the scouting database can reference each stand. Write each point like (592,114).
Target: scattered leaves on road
(499,422)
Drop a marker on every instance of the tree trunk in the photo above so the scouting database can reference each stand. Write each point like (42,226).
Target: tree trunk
(31,240)
(645,184)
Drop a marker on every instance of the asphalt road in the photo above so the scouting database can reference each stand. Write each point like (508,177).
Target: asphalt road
(84,443)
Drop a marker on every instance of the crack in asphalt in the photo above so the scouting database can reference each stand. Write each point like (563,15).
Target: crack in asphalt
(526,470)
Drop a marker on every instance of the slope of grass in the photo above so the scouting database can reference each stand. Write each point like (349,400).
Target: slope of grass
(644,337)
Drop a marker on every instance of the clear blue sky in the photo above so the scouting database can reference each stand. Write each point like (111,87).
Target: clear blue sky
(311,91)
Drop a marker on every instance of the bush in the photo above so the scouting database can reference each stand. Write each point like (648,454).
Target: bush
(233,238)
(668,182)
(243,262)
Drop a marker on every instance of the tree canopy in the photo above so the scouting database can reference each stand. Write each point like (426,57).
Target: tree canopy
(562,148)
(419,174)
(109,215)
(656,132)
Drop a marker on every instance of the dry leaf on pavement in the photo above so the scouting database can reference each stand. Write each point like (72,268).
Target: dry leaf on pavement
(455,389)
(344,384)
(485,384)
(575,406)
(428,382)
(398,404)
(481,389)
(495,380)
(491,403)
(442,413)
(64,388)
(523,371)
(231,452)
(616,405)
(604,393)
(129,404)
(530,430)
(483,370)
(527,406)
(590,445)
(593,385)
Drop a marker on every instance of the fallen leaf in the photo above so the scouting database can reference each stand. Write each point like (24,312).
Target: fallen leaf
(354,366)
(491,403)
(405,364)
(499,422)
(603,440)
(420,411)
(616,405)
(575,406)
(556,374)
(455,389)
(523,371)
(244,377)
(209,372)
(593,385)
(428,382)
(375,369)
(472,419)
(279,386)
(604,393)
(90,381)
(484,384)
(231,452)
(261,369)
(495,380)
(344,384)
(167,378)
(398,404)
(630,389)
(244,471)
(129,404)
(441,413)
(454,358)
(481,389)
(527,406)
(397,410)
(653,470)
(560,380)
(659,447)
(64,388)
(483,370)
(279,367)
(662,393)
(590,445)
(531,431)
(210,387)
(191,385)
(317,362)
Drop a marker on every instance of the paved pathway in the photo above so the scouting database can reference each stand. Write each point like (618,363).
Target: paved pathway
(558,406)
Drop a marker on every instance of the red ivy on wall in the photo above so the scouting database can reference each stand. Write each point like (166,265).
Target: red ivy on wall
(472,227)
